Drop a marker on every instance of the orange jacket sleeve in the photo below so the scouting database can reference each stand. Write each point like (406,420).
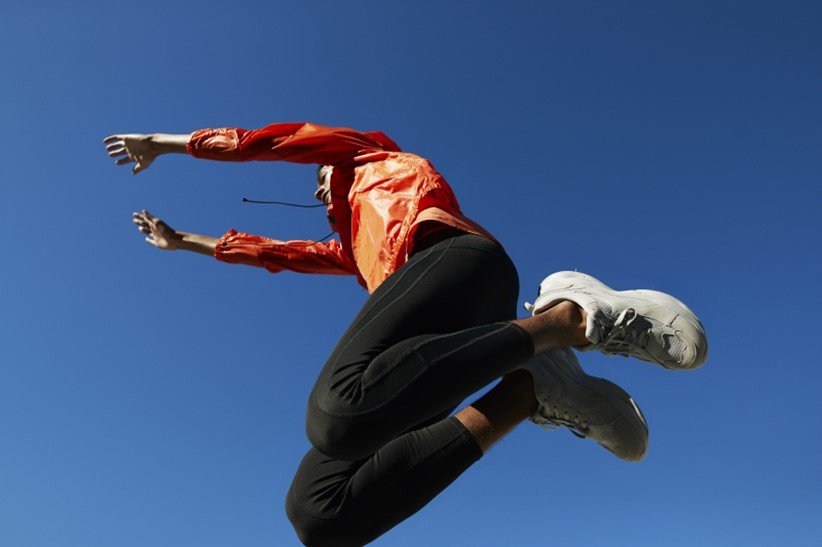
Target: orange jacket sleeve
(294,142)
(275,256)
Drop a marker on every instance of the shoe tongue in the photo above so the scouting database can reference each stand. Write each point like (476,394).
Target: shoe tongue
(593,328)
(592,333)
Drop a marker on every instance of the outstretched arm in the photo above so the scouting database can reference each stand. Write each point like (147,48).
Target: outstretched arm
(240,248)
(163,236)
(294,142)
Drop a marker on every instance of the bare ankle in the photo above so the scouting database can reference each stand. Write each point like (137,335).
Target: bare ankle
(499,411)
(571,315)
(561,325)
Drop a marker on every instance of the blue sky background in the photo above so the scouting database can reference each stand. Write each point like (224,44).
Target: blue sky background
(158,399)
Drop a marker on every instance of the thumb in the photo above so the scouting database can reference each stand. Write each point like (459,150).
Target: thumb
(137,169)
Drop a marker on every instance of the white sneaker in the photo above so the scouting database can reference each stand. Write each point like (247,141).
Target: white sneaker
(650,325)
(588,406)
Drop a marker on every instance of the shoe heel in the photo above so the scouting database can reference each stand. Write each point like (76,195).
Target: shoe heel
(562,278)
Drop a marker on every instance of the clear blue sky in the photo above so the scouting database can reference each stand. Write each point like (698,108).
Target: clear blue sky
(151,399)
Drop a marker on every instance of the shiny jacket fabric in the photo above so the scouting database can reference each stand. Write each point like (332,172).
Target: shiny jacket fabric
(379,198)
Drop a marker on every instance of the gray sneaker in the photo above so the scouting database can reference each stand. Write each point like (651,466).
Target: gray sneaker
(650,325)
(590,407)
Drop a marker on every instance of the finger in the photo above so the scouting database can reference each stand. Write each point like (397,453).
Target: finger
(123,161)
(145,229)
(115,144)
(151,241)
(137,168)
(118,152)
(112,138)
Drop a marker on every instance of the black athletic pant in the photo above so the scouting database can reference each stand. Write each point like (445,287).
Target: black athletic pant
(433,333)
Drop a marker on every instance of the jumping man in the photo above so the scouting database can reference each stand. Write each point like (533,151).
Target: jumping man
(439,325)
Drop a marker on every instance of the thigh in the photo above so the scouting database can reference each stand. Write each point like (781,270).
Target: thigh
(459,283)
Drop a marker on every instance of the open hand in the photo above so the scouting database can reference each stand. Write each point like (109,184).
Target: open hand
(158,233)
(131,148)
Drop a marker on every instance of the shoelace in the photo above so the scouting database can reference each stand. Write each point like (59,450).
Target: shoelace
(625,334)
(555,422)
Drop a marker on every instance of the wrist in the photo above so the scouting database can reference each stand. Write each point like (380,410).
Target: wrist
(176,241)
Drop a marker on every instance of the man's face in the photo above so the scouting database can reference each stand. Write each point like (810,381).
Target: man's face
(323,192)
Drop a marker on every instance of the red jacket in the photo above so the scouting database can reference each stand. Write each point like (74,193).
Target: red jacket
(379,197)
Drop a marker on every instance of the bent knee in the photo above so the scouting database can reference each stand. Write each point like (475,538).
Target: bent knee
(321,531)
(339,437)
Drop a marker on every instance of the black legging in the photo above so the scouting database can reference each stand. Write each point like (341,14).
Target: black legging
(433,333)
